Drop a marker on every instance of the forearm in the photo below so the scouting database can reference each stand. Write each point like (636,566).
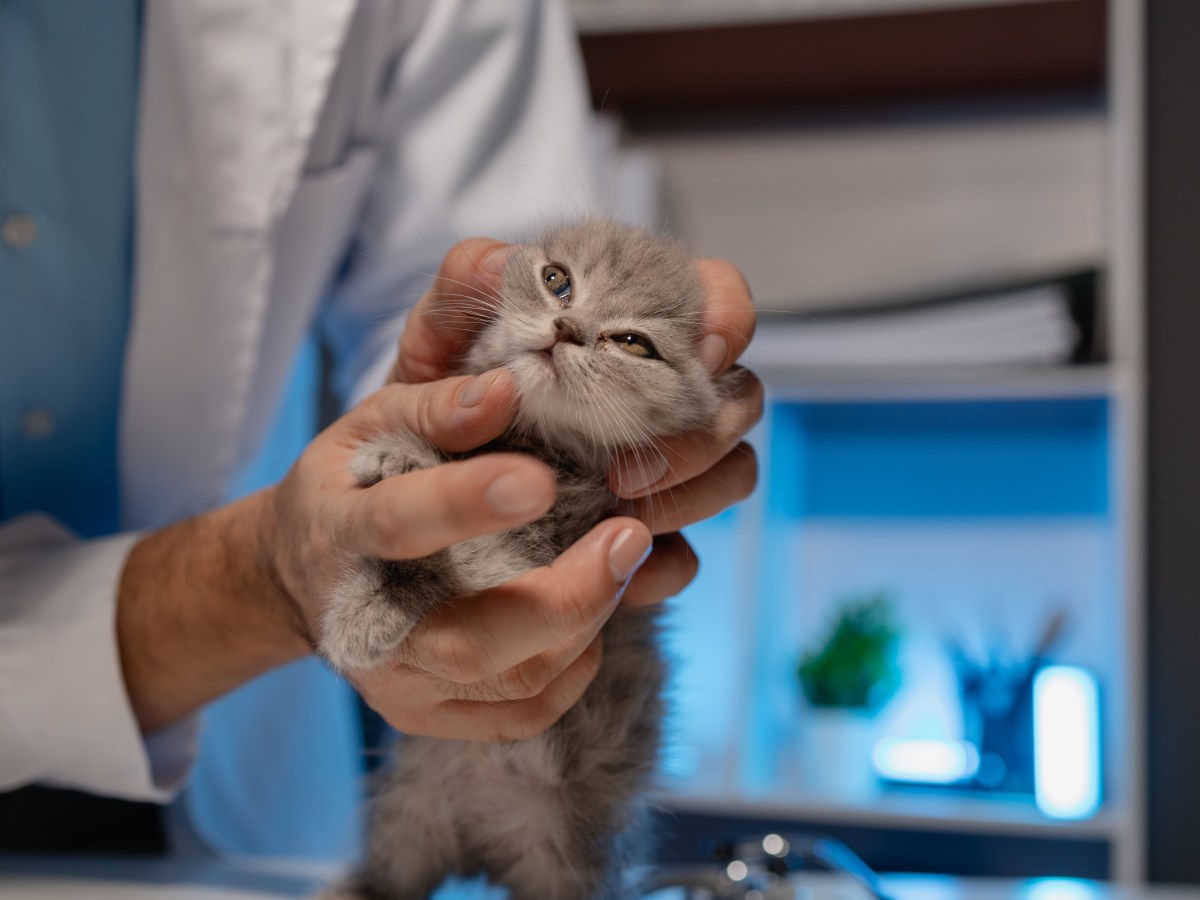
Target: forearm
(200,611)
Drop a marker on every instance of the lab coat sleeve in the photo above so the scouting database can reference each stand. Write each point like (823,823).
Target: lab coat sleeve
(65,719)
(487,131)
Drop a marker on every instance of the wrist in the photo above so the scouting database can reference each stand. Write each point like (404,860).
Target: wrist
(251,547)
(200,611)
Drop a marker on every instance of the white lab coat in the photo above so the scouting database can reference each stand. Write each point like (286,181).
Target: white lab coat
(278,189)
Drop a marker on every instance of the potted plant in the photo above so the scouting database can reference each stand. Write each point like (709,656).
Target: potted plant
(846,680)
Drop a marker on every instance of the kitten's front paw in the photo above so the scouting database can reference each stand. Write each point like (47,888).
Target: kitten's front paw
(388,455)
(364,624)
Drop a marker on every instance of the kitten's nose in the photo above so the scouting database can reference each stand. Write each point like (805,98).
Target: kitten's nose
(567,330)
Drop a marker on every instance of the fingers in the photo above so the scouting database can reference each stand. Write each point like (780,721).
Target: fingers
(670,568)
(678,459)
(728,314)
(564,603)
(450,314)
(524,719)
(409,707)
(426,510)
(730,481)
(526,699)
(455,414)
(507,663)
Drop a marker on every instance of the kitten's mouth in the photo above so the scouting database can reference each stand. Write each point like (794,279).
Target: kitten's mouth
(545,356)
(546,351)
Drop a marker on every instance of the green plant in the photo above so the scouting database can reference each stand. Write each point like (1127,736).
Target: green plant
(856,666)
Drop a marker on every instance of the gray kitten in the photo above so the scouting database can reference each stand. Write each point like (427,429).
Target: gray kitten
(599,324)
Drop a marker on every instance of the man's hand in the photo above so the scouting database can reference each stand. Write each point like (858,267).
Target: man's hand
(503,664)
(210,603)
(508,662)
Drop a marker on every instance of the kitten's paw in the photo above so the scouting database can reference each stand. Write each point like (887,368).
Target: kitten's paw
(364,624)
(388,455)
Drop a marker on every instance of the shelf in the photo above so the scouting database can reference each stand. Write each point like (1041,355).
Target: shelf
(608,16)
(788,382)
(654,56)
(895,809)
(847,153)
(883,211)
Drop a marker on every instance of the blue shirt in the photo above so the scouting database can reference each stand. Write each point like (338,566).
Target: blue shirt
(68,109)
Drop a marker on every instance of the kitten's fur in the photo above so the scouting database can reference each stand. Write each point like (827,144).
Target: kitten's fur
(554,817)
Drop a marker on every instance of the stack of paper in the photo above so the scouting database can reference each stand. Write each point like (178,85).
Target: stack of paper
(1031,327)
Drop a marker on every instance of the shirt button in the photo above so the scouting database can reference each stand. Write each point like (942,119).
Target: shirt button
(37,424)
(20,230)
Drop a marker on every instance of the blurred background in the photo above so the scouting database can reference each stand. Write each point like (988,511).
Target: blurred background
(928,631)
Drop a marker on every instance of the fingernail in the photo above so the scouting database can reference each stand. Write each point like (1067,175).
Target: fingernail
(713,350)
(637,473)
(476,389)
(493,264)
(510,496)
(627,553)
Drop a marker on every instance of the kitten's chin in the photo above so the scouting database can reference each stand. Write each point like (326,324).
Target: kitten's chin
(548,412)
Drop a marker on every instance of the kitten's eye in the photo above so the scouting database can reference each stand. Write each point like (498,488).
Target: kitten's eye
(558,281)
(635,344)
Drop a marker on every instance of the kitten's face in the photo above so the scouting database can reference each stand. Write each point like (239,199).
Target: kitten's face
(599,323)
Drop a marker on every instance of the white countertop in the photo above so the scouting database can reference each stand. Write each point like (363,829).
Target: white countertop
(60,878)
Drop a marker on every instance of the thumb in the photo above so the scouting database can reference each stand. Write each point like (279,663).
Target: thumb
(446,319)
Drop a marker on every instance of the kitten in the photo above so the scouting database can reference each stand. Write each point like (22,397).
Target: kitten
(599,325)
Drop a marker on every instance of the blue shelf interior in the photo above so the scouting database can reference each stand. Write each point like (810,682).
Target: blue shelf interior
(947,458)
(901,465)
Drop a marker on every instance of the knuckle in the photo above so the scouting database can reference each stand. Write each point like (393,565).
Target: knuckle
(589,661)
(528,679)
(577,605)
(383,527)
(454,658)
(425,416)
(376,406)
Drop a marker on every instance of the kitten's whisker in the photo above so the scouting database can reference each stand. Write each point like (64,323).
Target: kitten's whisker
(433,278)
(614,180)
(582,187)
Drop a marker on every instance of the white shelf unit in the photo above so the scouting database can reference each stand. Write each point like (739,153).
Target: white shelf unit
(1098,223)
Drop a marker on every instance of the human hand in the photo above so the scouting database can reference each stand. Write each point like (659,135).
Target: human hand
(503,664)
(206,604)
